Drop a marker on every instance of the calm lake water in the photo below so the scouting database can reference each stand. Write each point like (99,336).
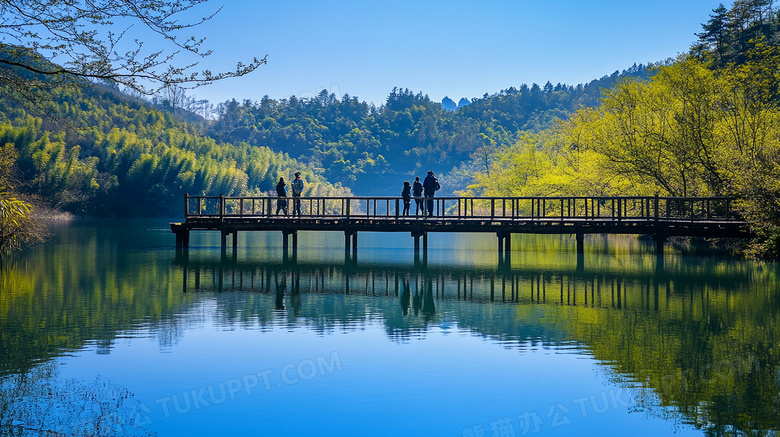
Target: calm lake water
(107,330)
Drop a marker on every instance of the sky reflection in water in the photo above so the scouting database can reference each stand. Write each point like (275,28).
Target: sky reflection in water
(548,347)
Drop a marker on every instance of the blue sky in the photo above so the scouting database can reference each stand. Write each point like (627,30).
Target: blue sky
(442,48)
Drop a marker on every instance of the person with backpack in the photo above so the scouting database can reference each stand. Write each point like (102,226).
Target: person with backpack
(297,191)
(430,185)
(417,190)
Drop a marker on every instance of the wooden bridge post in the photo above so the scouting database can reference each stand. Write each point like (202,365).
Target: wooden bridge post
(182,236)
(350,242)
(660,239)
(416,235)
(501,237)
(347,245)
(508,249)
(295,245)
(285,244)
(425,248)
(504,248)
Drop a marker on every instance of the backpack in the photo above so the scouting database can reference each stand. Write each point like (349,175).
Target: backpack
(297,187)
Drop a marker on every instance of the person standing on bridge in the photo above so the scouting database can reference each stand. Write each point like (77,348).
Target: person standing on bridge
(297,191)
(430,185)
(406,194)
(281,192)
(417,190)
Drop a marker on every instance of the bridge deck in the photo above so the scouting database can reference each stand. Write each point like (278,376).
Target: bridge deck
(569,225)
(711,217)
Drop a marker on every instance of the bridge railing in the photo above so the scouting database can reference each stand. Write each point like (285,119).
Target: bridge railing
(564,207)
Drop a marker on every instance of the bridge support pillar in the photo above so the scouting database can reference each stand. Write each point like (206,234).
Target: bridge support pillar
(286,245)
(425,248)
(508,249)
(295,245)
(350,243)
(417,235)
(659,239)
(580,242)
(182,240)
(223,242)
(504,248)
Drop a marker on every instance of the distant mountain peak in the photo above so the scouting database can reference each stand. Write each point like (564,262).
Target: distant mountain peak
(448,104)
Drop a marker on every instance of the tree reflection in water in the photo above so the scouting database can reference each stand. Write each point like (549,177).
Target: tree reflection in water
(700,339)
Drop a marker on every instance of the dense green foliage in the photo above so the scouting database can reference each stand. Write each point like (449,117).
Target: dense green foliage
(108,154)
(726,36)
(102,152)
(696,128)
(373,150)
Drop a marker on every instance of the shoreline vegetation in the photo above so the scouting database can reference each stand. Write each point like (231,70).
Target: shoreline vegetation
(704,124)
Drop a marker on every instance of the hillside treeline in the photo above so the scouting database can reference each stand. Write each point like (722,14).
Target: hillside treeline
(101,152)
(696,128)
(373,150)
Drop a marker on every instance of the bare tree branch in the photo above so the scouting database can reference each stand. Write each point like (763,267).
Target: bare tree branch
(51,43)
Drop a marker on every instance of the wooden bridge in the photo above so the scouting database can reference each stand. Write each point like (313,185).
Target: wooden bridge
(660,217)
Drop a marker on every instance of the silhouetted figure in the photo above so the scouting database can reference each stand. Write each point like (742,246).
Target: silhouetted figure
(406,298)
(281,287)
(406,194)
(428,304)
(281,192)
(297,192)
(430,185)
(417,302)
(417,190)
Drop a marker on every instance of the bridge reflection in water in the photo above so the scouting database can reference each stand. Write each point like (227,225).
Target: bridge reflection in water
(602,289)
(698,335)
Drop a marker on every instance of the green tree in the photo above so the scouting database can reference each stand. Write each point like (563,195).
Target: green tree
(17,227)
(715,31)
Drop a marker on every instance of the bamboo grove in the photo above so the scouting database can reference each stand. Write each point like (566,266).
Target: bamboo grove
(106,154)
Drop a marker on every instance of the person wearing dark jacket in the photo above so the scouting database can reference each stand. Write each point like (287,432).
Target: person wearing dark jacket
(281,191)
(417,190)
(406,194)
(430,185)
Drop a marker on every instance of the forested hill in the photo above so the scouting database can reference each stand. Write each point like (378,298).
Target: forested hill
(373,150)
(707,124)
(101,152)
